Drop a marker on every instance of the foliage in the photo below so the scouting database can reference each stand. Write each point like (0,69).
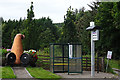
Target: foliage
(33,57)
(41,73)
(7,28)
(32,53)
(69,30)
(4,51)
(1,20)
(107,18)
(46,51)
(83,20)
(40,32)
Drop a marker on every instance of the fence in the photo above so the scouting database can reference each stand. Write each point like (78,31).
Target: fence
(99,64)
(44,61)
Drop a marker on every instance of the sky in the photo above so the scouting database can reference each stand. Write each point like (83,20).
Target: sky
(54,9)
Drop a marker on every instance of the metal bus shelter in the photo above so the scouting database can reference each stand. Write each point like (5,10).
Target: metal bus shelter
(65,58)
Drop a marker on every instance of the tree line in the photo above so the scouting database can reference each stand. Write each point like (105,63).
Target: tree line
(40,32)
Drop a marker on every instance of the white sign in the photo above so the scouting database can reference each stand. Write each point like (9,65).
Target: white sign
(92,24)
(70,51)
(109,54)
(95,35)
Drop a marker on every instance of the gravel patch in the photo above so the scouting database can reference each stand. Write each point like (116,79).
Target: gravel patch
(87,74)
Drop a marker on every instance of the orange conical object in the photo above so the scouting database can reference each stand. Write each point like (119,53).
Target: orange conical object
(17,47)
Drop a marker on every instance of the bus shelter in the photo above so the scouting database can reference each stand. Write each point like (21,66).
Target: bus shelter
(65,58)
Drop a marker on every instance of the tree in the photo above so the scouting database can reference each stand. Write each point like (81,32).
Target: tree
(1,20)
(69,30)
(30,13)
(7,28)
(29,30)
(38,32)
(83,35)
(83,19)
(107,18)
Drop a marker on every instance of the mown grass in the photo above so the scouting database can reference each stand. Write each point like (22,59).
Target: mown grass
(40,73)
(7,72)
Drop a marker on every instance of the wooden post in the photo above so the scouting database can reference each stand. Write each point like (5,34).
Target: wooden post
(97,64)
(103,64)
(86,63)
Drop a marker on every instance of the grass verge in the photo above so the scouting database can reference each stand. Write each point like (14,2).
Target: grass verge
(7,72)
(114,64)
(109,69)
(40,73)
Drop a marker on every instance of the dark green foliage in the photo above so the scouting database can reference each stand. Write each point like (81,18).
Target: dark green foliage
(1,20)
(69,30)
(83,35)
(107,17)
(83,20)
(40,32)
(8,28)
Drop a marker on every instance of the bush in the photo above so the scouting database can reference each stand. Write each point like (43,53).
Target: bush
(3,53)
(46,50)
(33,57)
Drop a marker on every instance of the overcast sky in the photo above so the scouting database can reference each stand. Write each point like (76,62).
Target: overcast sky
(55,9)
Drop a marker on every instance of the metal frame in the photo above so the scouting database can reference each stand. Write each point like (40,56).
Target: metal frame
(65,57)
(75,58)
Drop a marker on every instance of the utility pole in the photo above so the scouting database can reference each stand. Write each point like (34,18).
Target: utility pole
(94,37)
(92,52)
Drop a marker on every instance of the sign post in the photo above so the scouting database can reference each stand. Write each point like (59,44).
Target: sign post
(70,51)
(109,56)
(92,56)
(94,37)
(92,51)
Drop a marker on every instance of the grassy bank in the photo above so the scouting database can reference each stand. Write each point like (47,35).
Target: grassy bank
(40,73)
(7,72)
(114,64)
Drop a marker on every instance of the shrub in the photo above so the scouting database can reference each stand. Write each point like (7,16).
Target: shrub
(3,53)
(46,50)
(33,57)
